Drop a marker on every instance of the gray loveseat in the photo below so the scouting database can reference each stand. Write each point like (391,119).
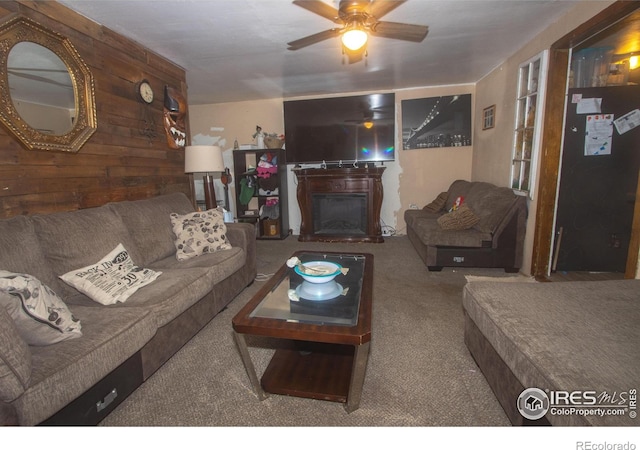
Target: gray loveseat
(572,337)
(495,239)
(81,380)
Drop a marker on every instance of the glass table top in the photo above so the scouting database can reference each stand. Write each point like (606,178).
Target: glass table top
(336,302)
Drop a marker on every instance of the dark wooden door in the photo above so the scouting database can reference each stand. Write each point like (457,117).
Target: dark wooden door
(597,192)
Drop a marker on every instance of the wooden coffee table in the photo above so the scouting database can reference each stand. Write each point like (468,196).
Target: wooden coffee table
(325,342)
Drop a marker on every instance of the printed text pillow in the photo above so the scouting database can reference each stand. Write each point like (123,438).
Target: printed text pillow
(112,279)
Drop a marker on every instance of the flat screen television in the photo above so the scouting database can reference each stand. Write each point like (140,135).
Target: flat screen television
(358,128)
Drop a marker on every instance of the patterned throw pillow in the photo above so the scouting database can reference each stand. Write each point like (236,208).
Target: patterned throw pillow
(40,315)
(460,219)
(199,232)
(437,205)
(112,279)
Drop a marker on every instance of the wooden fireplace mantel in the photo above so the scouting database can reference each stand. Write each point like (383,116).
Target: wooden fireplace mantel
(349,180)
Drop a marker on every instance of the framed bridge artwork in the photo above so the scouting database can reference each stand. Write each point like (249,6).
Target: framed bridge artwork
(436,122)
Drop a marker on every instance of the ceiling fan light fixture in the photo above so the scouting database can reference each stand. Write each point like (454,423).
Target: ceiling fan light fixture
(354,39)
(368,124)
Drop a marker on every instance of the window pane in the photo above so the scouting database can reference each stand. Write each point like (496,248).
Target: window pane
(526,170)
(524,81)
(531,114)
(520,113)
(534,75)
(528,143)
(519,144)
(515,175)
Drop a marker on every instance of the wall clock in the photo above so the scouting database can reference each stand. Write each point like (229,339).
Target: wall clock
(147,125)
(145,92)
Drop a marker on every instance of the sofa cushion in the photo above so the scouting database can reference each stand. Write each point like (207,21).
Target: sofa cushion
(38,313)
(220,264)
(431,233)
(111,280)
(74,239)
(199,232)
(438,203)
(413,216)
(490,203)
(172,293)
(62,372)
(22,252)
(15,360)
(461,218)
(150,226)
(458,188)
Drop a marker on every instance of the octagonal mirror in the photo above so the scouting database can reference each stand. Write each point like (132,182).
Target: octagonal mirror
(46,89)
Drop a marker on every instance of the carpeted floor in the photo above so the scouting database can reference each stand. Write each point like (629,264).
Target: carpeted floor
(419,373)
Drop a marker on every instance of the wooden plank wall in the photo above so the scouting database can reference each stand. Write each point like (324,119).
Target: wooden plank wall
(117,162)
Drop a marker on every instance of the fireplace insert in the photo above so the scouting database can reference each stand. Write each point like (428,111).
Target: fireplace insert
(340,214)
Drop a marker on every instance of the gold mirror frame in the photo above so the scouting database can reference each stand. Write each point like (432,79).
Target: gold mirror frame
(20,29)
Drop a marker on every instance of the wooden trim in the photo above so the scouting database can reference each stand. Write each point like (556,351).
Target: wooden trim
(550,161)
(601,21)
(552,137)
(634,243)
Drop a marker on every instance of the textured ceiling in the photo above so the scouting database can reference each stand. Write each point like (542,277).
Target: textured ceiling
(236,50)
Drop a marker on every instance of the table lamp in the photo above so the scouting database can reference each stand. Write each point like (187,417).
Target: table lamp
(204,159)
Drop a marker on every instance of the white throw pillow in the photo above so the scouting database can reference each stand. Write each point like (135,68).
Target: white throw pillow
(112,279)
(199,232)
(42,318)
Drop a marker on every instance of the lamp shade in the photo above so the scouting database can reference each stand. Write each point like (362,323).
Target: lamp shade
(203,158)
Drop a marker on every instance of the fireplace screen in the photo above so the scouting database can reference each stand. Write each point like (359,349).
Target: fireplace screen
(339,214)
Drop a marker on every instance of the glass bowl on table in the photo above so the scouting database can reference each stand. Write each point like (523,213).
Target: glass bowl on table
(318,272)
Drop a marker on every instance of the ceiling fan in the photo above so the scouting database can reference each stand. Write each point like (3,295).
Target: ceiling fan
(358,19)
(368,113)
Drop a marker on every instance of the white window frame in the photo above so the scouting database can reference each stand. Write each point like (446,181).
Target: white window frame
(527,133)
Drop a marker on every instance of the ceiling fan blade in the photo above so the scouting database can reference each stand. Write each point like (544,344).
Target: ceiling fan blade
(402,31)
(313,39)
(320,8)
(378,8)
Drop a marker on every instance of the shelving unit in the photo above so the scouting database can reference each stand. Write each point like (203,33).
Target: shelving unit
(267,193)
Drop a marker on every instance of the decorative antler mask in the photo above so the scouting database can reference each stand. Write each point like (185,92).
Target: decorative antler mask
(175,113)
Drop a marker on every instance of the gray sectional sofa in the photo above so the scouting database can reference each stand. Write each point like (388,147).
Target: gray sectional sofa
(579,340)
(495,238)
(79,381)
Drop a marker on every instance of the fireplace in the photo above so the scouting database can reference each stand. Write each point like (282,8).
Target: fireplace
(340,204)
(339,214)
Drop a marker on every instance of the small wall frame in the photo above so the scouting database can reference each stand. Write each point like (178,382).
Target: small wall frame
(488,117)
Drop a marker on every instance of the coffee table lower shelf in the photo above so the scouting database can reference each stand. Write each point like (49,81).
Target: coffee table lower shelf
(321,372)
